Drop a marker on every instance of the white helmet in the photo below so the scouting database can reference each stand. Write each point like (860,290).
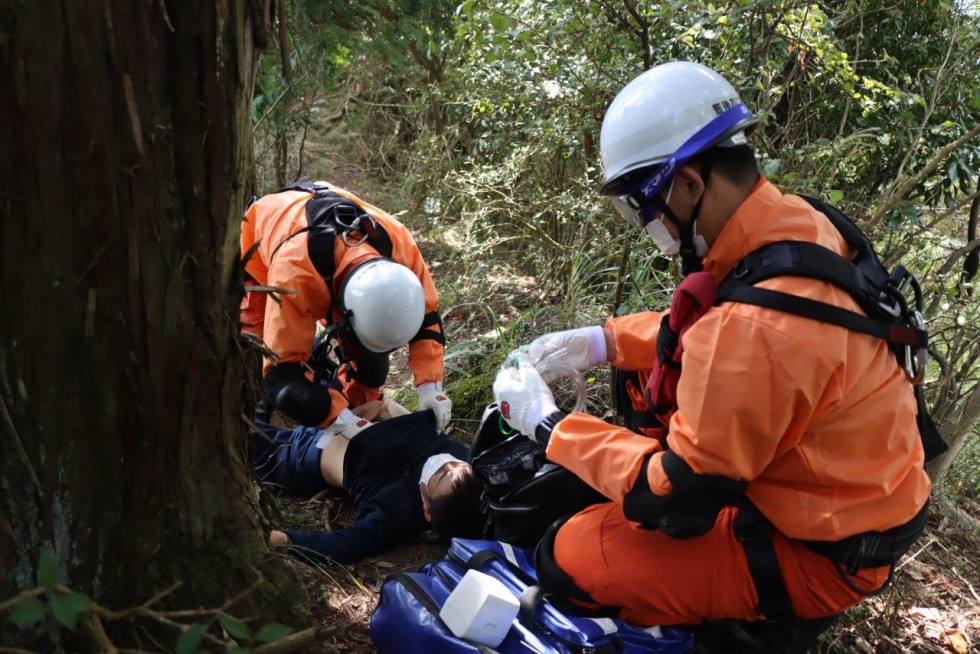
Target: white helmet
(672,111)
(384,302)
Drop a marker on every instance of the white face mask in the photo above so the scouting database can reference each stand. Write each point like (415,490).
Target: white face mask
(700,245)
(432,464)
(665,241)
(658,231)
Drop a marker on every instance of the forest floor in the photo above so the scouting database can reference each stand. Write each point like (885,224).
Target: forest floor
(933,604)
(931,607)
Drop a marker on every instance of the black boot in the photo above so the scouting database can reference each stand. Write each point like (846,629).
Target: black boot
(784,636)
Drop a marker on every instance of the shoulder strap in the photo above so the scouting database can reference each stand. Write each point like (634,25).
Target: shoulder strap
(305,185)
(329,213)
(802,259)
(879,294)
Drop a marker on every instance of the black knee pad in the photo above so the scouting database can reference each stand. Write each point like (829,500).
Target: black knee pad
(371,369)
(288,389)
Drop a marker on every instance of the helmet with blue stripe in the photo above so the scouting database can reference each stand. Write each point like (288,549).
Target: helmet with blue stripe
(662,119)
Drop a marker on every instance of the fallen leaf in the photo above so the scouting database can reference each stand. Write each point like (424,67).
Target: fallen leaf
(925,613)
(915,574)
(957,641)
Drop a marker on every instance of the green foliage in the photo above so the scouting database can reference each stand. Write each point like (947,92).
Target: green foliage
(28,613)
(482,122)
(47,571)
(190,641)
(66,608)
(58,606)
(235,629)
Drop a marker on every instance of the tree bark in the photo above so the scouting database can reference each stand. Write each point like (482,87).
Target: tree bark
(122,172)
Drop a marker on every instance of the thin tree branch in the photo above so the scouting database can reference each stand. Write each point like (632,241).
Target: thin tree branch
(17,599)
(901,189)
(19,446)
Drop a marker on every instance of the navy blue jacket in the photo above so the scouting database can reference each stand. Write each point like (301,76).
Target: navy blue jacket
(381,476)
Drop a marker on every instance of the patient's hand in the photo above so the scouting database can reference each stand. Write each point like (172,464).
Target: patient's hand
(277,538)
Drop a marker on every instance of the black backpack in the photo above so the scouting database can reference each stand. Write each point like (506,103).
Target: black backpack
(882,295)
(524,493)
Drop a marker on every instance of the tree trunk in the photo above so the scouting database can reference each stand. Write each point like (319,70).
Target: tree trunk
(122,172)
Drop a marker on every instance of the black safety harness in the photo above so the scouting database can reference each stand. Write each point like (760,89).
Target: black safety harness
(692,507)
(889,315)
(329,216)
(883,297)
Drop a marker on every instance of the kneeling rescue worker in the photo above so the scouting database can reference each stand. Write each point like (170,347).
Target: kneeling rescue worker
(789,478)
(323,254)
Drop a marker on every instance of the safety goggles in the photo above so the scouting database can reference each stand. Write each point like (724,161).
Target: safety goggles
(629,209)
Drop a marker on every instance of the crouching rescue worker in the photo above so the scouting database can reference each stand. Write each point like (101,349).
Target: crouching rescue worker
(322,254)
(790,478)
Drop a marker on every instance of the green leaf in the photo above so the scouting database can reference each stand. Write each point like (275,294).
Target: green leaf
(235,629)
(28,613)
(50,629)
(952,170)
(190,640)
(67,607)
(834,196)
(502,22)
(272,632)
(47,571)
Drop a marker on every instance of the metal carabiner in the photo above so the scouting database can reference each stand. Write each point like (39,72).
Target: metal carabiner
(915,366)
(344,235)
(354,225)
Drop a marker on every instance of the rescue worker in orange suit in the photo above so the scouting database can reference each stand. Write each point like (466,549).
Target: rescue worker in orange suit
(323,254)
(802,431)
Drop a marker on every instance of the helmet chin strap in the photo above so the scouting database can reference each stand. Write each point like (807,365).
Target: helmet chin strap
(690,261)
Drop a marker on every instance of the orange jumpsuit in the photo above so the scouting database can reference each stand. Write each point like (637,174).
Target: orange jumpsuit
(288,327)
(819,420)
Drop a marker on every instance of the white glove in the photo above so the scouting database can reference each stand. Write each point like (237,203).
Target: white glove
(523,397)
(580,348)
(432,397)
(348,424)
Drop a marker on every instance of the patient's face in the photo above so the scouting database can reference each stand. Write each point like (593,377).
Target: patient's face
(441,482)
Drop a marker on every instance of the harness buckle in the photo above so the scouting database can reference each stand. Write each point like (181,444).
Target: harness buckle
(864,553)
(345,236)
(892,299)
(742,270)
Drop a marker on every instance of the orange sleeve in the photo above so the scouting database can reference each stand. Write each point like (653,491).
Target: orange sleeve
(606,457)
(635,336)
(290,324)
(747,395)
(252,314)
(425,357)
